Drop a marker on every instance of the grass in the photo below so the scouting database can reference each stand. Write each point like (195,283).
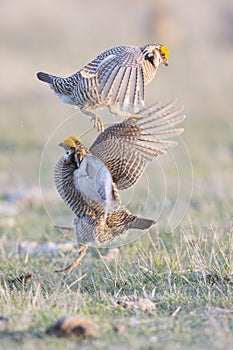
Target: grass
(187,274)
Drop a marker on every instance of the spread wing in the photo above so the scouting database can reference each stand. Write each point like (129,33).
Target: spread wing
(94,181)
(119,75)
(127,147)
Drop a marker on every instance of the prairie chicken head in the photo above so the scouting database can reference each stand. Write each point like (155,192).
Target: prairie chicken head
(115,78)
(156,54)
(75,150)
(89,180)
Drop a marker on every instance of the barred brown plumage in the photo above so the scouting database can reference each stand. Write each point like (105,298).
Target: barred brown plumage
(116,78)
(115,161)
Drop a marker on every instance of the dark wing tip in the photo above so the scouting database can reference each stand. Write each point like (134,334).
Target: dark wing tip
(143,224)
(44,77)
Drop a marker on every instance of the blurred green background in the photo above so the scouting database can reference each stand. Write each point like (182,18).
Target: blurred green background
(61,36)
(187,274)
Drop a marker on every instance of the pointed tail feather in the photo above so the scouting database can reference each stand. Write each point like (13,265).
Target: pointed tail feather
(47,78)
(141,223)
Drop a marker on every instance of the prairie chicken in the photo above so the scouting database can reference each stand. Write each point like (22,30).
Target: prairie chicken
(116,78)
(88,180)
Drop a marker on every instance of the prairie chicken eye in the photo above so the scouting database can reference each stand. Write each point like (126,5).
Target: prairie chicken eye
(89,187)
(162,54)
(116,77)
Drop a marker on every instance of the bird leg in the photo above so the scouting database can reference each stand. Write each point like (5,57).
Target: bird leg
(98,124)
(69,232)
(76,262)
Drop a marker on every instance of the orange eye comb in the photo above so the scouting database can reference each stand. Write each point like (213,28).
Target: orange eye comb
(70,141)
(165,50)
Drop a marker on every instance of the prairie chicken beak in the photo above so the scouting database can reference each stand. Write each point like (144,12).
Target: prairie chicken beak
(61,144)
(165,62)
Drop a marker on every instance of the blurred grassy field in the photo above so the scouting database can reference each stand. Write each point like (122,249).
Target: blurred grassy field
(187,273)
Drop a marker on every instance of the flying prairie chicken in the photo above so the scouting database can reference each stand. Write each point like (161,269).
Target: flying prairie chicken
(88,180)
(116,78)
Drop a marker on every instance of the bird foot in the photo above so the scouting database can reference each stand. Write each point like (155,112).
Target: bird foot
(98,124)
(76,262)
(95,118)
(133,116)
(69,232)
(115,110)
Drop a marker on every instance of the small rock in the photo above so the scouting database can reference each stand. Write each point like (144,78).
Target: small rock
(134,302)
(73,326)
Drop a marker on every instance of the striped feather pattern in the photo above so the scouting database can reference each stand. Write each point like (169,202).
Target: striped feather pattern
(100,230)
(116,76)
(90,223)
(64,182)
(127,147)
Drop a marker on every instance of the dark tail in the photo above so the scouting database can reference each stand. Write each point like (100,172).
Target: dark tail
(141,223)
(47,78)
